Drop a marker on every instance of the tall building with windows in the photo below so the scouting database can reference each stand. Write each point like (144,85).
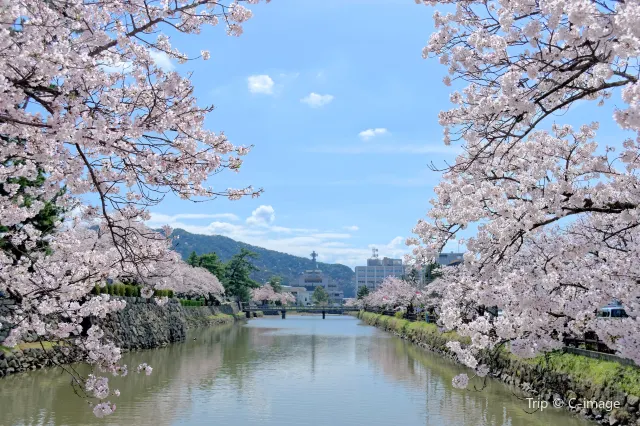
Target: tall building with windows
(377,270)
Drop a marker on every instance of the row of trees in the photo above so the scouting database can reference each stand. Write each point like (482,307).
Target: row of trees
(85,107)
(235,275)
(557,211)
(392,293)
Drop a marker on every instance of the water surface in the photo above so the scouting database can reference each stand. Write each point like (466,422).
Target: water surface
(298,371)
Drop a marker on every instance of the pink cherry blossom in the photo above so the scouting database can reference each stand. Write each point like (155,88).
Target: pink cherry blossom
(85,105)
(393,292)
(556,211)
(266,293)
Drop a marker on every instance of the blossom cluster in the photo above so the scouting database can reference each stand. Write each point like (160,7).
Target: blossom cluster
(266,293)
(100,133)
(557,212)
(393,292)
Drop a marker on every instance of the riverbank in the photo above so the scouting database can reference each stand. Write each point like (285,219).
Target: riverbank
(140,325)
(561,376)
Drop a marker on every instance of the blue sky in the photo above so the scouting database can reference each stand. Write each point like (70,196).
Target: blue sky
(308,84)
(332,182)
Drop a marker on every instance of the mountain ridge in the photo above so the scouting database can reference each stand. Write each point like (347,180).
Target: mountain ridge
(270,262)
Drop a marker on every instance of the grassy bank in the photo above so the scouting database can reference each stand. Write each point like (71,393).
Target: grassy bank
(413,330)
(558,373)
(220,319)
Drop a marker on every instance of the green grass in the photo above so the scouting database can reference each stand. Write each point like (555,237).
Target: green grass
(579,368)
(596,371)
(416,330)
(30,345)
(221,318)
(37,345)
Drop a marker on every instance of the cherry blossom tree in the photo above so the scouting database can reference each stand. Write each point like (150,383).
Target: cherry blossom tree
(85,106)
(556,212)
(266,293)
(184,278)
(393,292)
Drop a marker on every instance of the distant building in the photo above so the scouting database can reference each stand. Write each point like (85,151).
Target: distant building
(377,270)
(312,278)
(450,259)
(303,297)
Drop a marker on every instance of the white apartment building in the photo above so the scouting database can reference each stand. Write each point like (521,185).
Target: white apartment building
(377,270)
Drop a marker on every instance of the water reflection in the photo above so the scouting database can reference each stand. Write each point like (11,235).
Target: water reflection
(298,371)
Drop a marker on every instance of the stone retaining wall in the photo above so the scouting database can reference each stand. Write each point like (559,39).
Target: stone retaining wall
(140,325)
(538,382)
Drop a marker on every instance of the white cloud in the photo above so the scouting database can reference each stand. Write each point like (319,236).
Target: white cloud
(365,135)
(162,60)
(159,219)
(333,247)
(263,215)
(260,84)
(315,100)
(352,228)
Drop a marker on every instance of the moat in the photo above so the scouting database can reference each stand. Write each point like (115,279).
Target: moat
(298,371)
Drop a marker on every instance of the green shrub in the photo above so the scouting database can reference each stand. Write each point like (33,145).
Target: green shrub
(96,289)
(399,314)
(170,293)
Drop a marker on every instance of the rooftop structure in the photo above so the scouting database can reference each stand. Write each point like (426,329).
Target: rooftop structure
(312,278)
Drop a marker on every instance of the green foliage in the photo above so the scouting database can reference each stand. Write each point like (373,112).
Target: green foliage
(399,314)
(193,259)
(363,291)
(413,277)
(118,289)
(320,295)
(237,281)
(276,284)
(212,263)
(162,293)
(269,262)
(188,302)
(431,272)
(44,221)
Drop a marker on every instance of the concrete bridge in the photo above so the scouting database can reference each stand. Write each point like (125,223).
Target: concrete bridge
(324,310)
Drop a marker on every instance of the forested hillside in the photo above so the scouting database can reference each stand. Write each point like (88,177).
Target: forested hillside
(269,262)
